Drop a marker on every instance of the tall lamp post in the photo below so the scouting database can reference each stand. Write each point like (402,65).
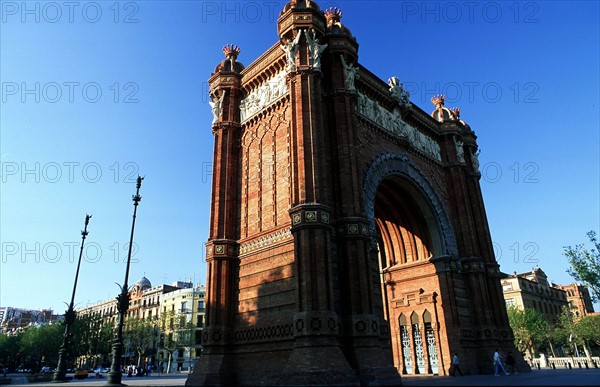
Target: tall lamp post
(115,375)
(60,375)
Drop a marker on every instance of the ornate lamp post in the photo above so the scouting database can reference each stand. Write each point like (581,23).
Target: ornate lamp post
(61,371)
(115,375)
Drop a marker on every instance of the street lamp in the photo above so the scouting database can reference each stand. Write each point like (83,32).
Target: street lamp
(115,375)
(60,375)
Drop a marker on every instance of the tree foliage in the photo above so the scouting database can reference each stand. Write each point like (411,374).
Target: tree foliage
(585,264)
(140,335)
(530,328)
(588,329)
(176,333)
(40,344)
(9,348)
(91,337)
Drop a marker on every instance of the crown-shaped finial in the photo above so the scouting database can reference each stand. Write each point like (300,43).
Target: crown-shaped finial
(456,112)
(438,100)
(231,50)
(333,14)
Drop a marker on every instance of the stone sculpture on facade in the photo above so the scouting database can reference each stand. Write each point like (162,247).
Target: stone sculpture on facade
(398,92)
(393,123)
(350,72)
(263,95)
(291,48)
(475,159)
(460,153)
(315,49)
(215,106)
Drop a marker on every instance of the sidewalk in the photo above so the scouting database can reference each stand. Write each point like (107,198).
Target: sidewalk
(575,377)
(153,381)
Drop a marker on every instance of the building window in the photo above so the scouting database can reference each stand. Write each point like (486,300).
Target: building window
(510,302)
(184,307)
(200,321)
(507,287)
(200,306)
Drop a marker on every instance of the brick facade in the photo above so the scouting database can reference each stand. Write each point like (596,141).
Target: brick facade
(343,218)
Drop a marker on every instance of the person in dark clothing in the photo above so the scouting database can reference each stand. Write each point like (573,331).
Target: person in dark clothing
(455,365)
(511,363)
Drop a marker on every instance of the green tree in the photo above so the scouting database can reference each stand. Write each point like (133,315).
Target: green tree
(104,341)
(176,333)
(585,265)
(92,339)
(140,335)
(530,328)
(39,344)
(9,347)
(588,329)
(565,331)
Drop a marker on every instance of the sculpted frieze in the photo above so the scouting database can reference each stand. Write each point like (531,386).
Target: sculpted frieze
(265,241)
(392,122)
(263,96)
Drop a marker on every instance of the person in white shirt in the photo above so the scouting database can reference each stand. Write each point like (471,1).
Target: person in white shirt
(498,363)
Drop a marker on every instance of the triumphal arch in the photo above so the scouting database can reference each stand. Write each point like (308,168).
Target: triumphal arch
(348,240)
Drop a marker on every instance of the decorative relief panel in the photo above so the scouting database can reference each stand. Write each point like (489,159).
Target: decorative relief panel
(265,241)
(265,94)
(270,333)
(393,123)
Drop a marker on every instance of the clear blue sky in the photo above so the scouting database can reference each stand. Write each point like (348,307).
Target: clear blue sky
(94,93)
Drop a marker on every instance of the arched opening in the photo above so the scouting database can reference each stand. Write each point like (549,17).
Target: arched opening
(406,226)
(414,240)
(408,236)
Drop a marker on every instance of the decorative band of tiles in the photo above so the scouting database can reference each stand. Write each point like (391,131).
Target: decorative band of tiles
(312,216)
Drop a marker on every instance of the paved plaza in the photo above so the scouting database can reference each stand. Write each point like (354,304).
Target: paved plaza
(576,377)
(155,380)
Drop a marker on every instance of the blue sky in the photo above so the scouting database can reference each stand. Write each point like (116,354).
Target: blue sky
(94,93)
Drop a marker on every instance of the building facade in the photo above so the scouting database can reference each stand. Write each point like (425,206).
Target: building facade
(348,240)
(14,319)
(533,290)
(578,297)
(179,300)
(185,314)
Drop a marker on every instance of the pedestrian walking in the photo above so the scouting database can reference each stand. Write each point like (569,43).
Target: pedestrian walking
(511,364)
(455,365)
(498,363)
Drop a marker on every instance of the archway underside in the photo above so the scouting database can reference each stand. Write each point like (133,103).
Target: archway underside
(401,225)
(406,231)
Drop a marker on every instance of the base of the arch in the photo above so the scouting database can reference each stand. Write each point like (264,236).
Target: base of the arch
(302,366)
(213,370)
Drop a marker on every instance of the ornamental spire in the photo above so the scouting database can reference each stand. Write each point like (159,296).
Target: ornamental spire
(231,51)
